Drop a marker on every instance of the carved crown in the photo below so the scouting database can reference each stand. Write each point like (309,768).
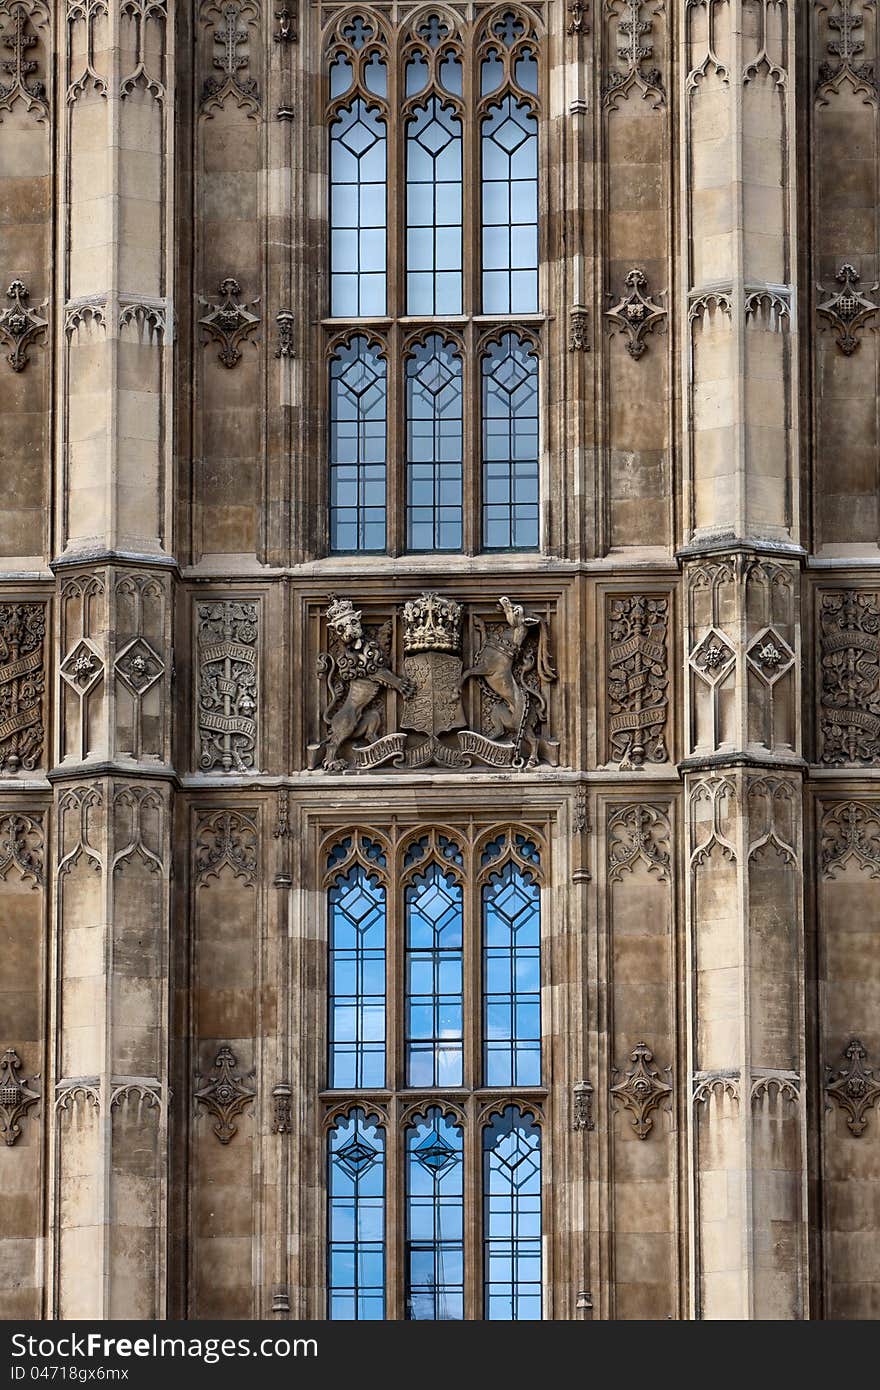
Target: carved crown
(341,612)
(432,623)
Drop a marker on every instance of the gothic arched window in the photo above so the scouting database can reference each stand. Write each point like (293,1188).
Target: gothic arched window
(356,1218)
(433,131)
(511,903)
(512,1217)
(510,444)
(356,903)
(434,423)
(358,409)
(434,1218)
(434,1103)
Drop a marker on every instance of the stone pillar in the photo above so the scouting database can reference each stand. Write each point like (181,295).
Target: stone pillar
(113,624)
(743,765)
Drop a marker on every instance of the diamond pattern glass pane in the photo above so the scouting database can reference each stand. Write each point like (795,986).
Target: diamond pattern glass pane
(434,1219)
(434,446)
(357,212)
(357,447)
(510,446)
(357,980)
(356,1219)
(433,210)
(434,1002)
(511,979)
(512,1218)
(509,148)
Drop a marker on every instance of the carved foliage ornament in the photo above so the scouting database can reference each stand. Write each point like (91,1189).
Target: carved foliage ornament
(226,838)
(635,314)
(228,321)
(16,1097)
(227,713)
(20,325)
(849,309)
(849,696)
(231,59)
(853,1087)
(851,830)
(642,1091)
(22,678)
(846,25)
(19,39)
(638,834)
(637,679)
(225,1095)
(634,50)
(512,663)
(21,845)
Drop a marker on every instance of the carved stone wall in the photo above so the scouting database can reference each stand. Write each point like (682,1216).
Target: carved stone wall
(677,691)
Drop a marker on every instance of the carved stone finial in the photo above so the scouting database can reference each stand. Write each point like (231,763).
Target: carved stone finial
(635,313)
(19,40)
(19,325)
(634,49)
(229,321)
(849,309)
(16,1097)
(225,1095)
(286,31)
(642,1091)
(854,1088)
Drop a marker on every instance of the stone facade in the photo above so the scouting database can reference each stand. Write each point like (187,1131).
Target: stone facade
(677,699)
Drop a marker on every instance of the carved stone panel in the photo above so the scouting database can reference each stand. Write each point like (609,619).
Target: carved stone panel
(712,624)
(142,627)
(22,685)
(228,674)
(83,618)
(849,677)
(637,679)
(433,682)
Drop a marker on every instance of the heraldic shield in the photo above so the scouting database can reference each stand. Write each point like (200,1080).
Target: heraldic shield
(432,663)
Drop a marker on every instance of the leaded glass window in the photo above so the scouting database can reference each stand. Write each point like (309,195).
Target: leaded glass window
(511,978)
(433,210)
(357,446)
(433,162)
(510,444)
(357,979)
(356,1218)
(434,1218)
(434,446)
(434,982)
(512,1217)
(434,1089)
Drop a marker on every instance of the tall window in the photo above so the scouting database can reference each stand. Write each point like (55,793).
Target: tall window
(510,445)
(434,446)
(455,239)
(451,1094)
(357,975)
(357,446)
(434,1219)
(511,978)
(434,1000)
(356,1218)
(512,1217)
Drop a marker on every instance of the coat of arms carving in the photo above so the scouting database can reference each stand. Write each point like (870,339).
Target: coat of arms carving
(511,668)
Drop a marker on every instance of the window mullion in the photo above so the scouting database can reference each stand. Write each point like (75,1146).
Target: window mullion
(471,448)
